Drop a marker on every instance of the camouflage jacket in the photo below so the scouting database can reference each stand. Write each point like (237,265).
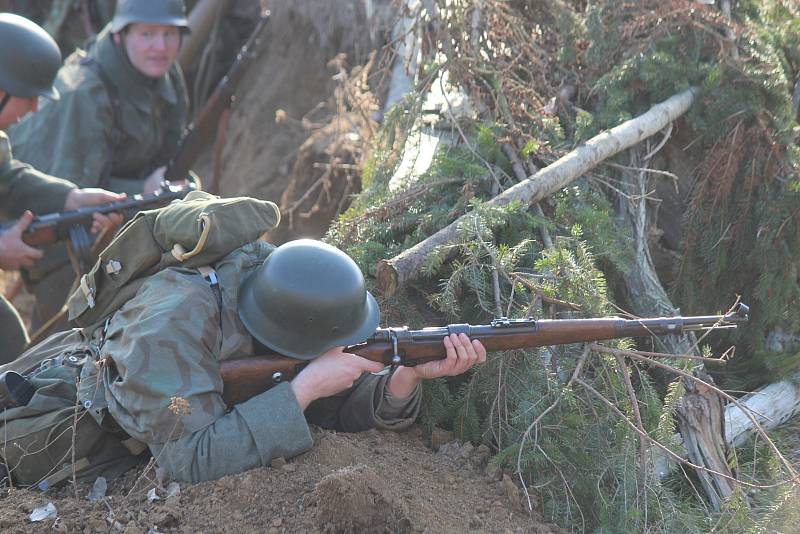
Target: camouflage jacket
(77,138)
(22,188)
(159,380)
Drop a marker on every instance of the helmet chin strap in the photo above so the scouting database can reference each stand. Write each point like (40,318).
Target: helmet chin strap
(4,101)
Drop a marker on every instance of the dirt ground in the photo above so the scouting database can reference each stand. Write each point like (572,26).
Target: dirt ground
(369,482)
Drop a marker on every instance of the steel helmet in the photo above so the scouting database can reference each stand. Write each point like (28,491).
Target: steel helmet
(307,297)
(29,58)
(169,12)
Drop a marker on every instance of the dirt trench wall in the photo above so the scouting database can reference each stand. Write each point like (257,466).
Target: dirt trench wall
(291,74)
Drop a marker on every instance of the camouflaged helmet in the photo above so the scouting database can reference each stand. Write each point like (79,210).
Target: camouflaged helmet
(29,58)
(306,298)
(169,12)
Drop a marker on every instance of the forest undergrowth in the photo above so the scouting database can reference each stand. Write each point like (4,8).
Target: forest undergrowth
(580,425)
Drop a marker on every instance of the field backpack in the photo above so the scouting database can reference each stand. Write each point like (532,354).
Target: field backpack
(195,232)
(37,445)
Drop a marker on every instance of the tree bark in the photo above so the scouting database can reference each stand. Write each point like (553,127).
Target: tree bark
(702,425)
(396,272)
(407,49)
(700,413)
(773,405)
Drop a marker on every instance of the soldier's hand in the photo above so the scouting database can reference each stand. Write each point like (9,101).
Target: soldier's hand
(14,253)
(85,198)
(154,181)
(329,374)
(156,178)
(462,354)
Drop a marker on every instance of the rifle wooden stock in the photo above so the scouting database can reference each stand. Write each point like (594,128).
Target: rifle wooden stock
(204,125)
(55,227)
(246,378)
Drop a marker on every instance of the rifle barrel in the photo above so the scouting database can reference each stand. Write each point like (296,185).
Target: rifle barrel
(245,378)
(419,346)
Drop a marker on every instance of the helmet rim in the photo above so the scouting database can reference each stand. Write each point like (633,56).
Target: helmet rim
(307,351)
(305,298)
(28,71)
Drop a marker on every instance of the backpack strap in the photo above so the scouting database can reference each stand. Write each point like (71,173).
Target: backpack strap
(116,116)
(210,275)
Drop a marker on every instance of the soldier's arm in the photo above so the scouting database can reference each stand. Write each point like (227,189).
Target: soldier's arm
(268,426)
(22,188)
(165,388)
(392,402)
(368,404)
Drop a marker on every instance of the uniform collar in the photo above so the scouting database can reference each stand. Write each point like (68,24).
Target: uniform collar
(133,86)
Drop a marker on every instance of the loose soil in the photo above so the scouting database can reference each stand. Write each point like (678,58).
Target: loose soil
(368,482)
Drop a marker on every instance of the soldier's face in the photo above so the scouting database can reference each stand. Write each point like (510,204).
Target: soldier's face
(15,109)
(151,48)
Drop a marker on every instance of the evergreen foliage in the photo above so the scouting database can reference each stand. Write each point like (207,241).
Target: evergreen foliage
(580,461)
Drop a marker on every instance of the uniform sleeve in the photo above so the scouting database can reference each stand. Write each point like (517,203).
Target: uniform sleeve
(71,137)
(253,433)
(368,404)
(163,387)
(22,188)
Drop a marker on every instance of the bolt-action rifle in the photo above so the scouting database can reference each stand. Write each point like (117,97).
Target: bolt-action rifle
(72,225)
(400,346)
(205,123)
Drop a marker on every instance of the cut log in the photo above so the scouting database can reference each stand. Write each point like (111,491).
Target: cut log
(396,272)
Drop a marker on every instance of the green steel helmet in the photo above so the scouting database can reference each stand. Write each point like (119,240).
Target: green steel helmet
(307,297)
(169,12)
(29,58)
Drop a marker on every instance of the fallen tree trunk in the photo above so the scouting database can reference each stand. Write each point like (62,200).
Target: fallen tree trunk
(771,405)
(396,272)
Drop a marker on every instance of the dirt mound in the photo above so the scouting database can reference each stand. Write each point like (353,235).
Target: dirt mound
(356,498)
(368,482)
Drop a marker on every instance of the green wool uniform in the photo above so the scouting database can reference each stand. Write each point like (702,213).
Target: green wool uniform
(86,138)
(167,343)
(22,188)
(75,136)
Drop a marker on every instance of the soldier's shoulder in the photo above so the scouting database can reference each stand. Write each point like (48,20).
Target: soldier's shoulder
(247,255)
(77,76)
